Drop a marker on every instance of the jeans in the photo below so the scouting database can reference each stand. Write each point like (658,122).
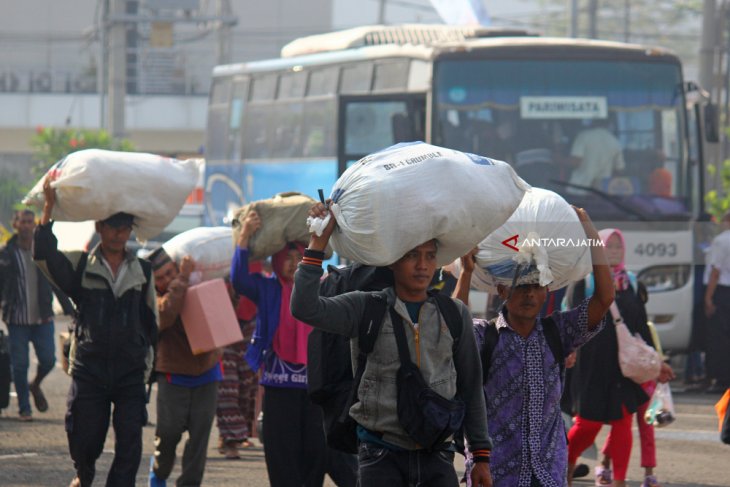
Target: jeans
(380,466)
(42,338)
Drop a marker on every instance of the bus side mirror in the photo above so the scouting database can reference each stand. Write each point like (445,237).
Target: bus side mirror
(712,123)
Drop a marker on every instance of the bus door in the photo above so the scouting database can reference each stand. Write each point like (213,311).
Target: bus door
(367,124)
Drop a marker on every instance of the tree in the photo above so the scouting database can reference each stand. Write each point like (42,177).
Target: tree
(52,144)
(718,203)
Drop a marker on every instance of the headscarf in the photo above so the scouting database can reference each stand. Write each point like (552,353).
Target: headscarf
(620,276)
(290,339)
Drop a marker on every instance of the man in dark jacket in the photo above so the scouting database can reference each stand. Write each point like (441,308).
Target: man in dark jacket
(112,344)
(27,310)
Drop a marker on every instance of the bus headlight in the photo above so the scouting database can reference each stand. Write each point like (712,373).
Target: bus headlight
(662,278)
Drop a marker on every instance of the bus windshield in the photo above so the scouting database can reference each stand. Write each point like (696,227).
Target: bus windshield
(607,135)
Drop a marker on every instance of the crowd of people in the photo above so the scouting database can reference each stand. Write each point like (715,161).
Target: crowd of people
(505,379)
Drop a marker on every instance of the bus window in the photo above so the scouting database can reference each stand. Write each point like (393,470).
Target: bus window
(391,75)
(319,128)
(371,126)
(256,131)
(291,85)
(323,81)
(356,78)
(287,130)
(238,101)
(218,119)
(264,88)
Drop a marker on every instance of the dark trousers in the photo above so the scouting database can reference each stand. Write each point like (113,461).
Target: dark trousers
(294,444)
(341,467)
(181,409)
(87,423)
(718,334)
(380,467)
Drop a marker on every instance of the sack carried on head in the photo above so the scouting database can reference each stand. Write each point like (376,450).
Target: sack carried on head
(209,247)
(283,220)
(543,237)
(638,361)
(95,184)
(403,196)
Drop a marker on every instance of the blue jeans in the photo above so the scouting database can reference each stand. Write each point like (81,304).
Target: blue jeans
(380,467)
(42,338)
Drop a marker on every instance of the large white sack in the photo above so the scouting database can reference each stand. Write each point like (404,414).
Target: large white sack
(396,199)
(210,247)
(94,184)
(552,246)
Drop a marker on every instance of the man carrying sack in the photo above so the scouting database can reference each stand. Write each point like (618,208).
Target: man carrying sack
(187,384)
(388,453)
(112,345)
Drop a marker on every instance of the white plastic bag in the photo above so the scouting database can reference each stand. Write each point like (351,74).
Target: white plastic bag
(210,247)
(661,408)
(396,199)
(544,237)
(94,184)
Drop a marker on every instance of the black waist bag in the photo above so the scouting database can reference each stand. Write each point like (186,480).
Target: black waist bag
(428,418)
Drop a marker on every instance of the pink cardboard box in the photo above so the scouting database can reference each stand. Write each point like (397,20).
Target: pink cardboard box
(209,318)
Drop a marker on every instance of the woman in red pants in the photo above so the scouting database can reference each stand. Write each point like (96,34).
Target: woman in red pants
(601,393)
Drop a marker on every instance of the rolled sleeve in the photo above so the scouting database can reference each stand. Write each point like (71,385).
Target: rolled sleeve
(573,326)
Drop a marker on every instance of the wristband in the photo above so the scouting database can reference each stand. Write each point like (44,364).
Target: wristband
(313,257)
(315,254)
(481,456)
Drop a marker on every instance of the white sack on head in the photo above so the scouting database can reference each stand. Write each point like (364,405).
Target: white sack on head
(403,196)
(210,247)
(283,220)
(94,184)
(552,246)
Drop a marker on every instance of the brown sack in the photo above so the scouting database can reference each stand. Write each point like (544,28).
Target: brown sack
(283,219)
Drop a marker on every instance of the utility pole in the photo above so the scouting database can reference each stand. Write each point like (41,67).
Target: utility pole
(101,77)
(627,20)
(592,14)
(573,19)
(708,46)
(117,82)
(225,33)
(381,12)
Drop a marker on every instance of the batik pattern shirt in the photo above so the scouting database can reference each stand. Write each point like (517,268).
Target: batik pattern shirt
(522,392)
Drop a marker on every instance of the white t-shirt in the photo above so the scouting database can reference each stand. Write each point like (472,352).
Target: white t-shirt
(600,153)
(719,257)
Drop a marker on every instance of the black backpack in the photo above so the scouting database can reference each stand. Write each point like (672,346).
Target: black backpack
(330,382)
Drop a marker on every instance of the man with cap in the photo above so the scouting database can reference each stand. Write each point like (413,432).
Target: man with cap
(187,384)
(112,344)
(523,380)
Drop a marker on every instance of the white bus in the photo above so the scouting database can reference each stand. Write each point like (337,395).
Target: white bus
(296,122)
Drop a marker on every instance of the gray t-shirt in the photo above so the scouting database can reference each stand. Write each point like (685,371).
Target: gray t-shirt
(33,312)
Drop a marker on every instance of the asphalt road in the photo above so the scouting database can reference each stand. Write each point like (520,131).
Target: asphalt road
(35,454)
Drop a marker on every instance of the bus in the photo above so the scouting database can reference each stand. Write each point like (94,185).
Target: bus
(296,122)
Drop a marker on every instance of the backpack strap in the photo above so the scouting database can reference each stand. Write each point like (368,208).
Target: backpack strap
(372,318)
(451,313)
(78,277)
(555,343)
(491,336)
